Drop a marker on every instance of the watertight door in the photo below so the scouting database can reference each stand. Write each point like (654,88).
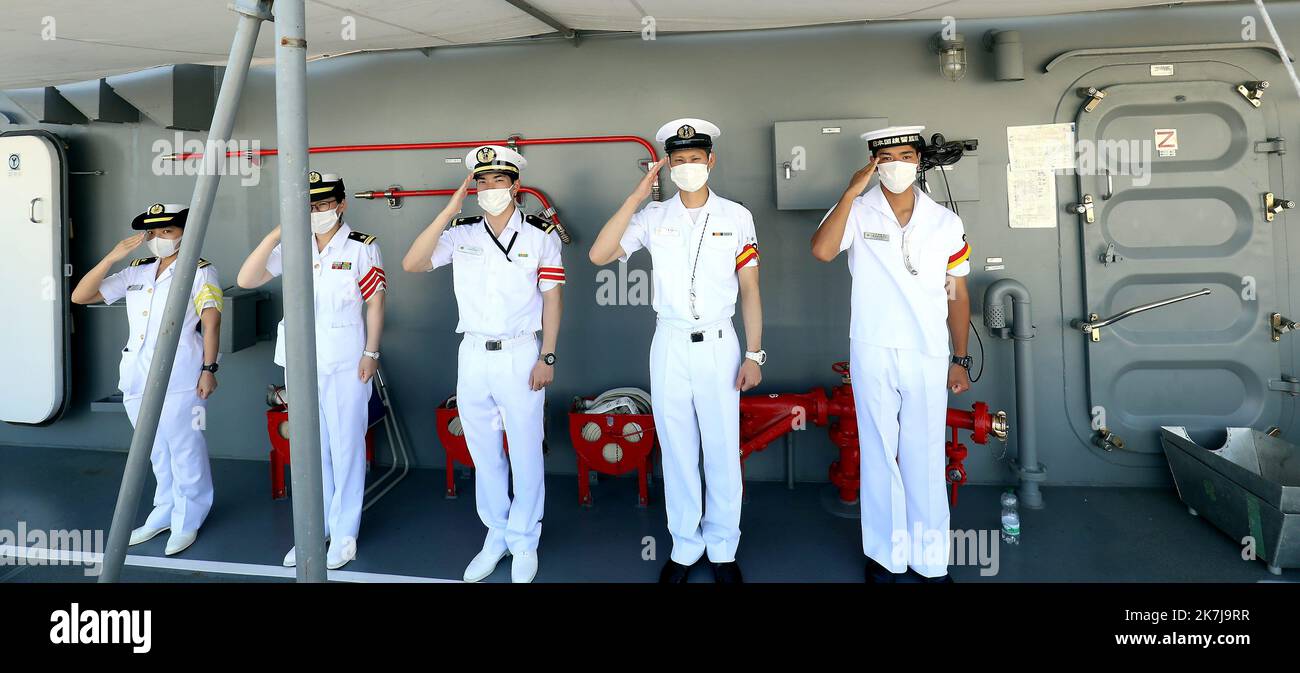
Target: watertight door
(33,295)
(1204,363)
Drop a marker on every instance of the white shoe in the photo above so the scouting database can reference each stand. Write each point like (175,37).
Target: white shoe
(179,542)
(484,563)
(339,554)
(291,559)
(524,567)
(145,534)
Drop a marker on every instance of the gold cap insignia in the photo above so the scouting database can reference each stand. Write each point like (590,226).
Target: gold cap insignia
(486,155)
(686,131)
(156,209)
(313,177)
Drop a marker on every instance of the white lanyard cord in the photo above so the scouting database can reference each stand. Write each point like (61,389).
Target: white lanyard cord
(704,229)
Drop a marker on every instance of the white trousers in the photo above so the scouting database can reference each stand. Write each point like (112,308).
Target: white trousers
(492,397)
(693,390)
(901,398)
(179,457)
(344,414)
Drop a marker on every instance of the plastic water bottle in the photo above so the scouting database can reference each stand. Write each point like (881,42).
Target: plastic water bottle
(1010,519)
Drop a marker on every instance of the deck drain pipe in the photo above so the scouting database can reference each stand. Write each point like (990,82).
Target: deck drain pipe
(1020,330)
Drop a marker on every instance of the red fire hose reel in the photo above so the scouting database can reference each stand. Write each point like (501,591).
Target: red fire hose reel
(612,444)
(764,418)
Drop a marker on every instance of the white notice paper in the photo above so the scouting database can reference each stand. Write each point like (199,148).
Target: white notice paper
(1041,147)
(1031,199)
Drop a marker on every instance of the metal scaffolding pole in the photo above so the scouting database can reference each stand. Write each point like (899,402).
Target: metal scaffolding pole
(251,14)
(299,302)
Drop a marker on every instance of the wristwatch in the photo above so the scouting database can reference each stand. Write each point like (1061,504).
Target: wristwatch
(210,368)
(548,358)
(371,354)
(964,361)
(759,356)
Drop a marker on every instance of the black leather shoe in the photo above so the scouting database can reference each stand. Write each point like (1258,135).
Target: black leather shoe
(942,579)
(674,573)
(727,573)
(878,574)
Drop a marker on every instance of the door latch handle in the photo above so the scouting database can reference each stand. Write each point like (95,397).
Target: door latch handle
(1110,256)
(1274,205)
(1085,208)
(786,166)
(1253,92)
(31,214)
(1092,326)
(1094,96)
(1280,324)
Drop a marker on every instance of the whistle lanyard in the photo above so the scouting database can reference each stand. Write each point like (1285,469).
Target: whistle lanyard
(506,250)
(704,229)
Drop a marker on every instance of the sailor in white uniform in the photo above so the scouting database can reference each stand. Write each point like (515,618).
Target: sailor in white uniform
(180,454)
(909,259)
(507,273)
(349,288)
(704,250)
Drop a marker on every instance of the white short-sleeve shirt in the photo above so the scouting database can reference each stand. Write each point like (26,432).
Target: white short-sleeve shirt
(712,249)
(347,273)
(499,281)
(146,297)
(892,306)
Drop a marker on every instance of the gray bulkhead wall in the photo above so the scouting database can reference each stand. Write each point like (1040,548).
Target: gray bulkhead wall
(615,85)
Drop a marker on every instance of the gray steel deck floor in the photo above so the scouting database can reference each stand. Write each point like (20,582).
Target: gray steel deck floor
(1084,534)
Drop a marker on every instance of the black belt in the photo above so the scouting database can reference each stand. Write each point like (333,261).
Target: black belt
(494,345)
(697,337)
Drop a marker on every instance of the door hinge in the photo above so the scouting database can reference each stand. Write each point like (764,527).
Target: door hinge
(1274,205)
(1286,384)
(1271,146)
(1094,96)
(1253,92)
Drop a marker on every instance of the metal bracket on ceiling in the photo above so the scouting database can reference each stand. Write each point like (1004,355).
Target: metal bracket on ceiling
(564,31)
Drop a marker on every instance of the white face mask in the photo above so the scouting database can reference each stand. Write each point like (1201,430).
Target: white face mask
(323,222)
(897,176)
(164,247)
(495,201)
(689,177)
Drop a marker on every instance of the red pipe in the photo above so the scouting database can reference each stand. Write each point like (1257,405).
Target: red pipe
(402,193)
(446,145)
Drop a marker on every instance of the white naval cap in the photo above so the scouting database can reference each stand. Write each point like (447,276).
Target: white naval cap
(894,136)
(495,159)
(680,134)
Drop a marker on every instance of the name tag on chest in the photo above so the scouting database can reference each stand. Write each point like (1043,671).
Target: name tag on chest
(133,288)
(875,236)
(469,250)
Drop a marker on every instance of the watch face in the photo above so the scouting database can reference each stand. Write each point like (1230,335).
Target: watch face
(549,358)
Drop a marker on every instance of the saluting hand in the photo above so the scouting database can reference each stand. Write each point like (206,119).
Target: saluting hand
(124,247)
(458,199)
(750,375)
(858,183)
(642,191)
